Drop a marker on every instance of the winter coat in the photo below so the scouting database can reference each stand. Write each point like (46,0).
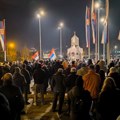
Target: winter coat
(39,76)
(80,103)
(108,105)
(26,75)
(15,98)
(92,83)
(20,81)
(58,82)
(70,81)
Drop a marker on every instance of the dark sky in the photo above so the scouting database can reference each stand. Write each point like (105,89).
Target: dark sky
(22,24)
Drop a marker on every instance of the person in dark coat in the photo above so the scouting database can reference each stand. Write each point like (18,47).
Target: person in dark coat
(39,77)
(108,105)
(80,101)
(4,107)
(26,74)
(58,86)
(14,96)
(20,81)
(70,82)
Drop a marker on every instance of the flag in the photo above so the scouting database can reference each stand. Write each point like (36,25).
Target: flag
(2,34)
(119,36)
(93,22)
(52,55)
(35,56)
(87,26)
(105,34)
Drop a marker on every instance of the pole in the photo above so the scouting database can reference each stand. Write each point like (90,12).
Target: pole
(89,49)
(98,35)
(60,41)
(40,54)
(104,51)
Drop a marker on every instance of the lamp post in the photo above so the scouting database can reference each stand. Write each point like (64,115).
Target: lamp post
(39,17)
(60,28)
(115,47)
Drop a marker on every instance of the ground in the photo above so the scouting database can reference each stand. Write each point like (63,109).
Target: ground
(42,112)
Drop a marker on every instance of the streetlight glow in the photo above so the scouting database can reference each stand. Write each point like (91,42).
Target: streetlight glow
(102,20)
(115,47)
(42,13)
(61,24)
(38,15)
(11,45)
(97,5)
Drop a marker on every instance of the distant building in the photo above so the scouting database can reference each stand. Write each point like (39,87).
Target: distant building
(75,52)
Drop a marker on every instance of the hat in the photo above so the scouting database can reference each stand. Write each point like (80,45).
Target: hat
(60,70)
(113,69)
(73,69)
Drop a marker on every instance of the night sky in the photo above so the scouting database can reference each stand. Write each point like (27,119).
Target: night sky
(22,23)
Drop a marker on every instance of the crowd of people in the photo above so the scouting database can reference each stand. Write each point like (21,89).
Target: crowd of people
(93,89)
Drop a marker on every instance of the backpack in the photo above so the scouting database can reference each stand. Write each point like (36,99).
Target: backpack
(81,104)
(78,105)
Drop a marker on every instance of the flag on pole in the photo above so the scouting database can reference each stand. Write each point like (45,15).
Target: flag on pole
(93,22)
(119,36)
(87,26)
(2,34)
(52,55)
(105,34)
(35,56)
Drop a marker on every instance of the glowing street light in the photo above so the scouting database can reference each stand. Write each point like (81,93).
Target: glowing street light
(61,25)
(11,45)
(39,15)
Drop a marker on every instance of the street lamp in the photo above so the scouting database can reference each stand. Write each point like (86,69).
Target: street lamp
(61,25)
(115,47)
(41,13)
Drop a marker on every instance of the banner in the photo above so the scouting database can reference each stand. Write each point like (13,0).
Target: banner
(2,34)
(93,22)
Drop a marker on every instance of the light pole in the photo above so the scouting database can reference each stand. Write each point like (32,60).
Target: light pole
(115,47)
(39,17)
(60,28)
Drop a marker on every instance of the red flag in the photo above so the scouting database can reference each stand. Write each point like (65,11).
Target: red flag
(35,56)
